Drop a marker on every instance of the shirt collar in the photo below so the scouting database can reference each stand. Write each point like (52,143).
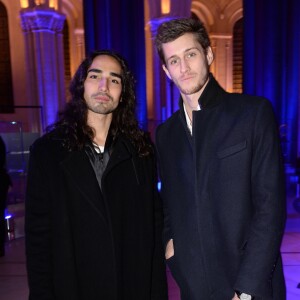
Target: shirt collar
(187,118)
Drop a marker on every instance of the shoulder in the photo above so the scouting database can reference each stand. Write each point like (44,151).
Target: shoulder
(246,103)
(142,164)
(164,128)
(47,145)
(125,142)
(245,99)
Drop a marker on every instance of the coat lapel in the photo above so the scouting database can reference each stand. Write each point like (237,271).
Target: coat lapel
(121,151)
(78,168)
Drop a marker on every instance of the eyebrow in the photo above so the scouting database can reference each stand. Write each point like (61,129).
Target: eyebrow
(100,71)
(186,50)
(192,48)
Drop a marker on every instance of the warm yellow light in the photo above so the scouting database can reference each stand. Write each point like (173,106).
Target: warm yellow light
(24,3)
(165,6)
(39,2)
(53,4)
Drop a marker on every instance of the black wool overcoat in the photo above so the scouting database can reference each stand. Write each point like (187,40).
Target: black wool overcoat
(87,243)
(224,197)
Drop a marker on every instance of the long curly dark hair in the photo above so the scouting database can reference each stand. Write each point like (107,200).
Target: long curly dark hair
(73,119)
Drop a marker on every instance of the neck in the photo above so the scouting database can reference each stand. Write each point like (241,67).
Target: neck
(189,110)
(191,102)
(100,123)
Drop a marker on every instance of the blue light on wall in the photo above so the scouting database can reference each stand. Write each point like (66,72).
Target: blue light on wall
(271,61)
(121,30)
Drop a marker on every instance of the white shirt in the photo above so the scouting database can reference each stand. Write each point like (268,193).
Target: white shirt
(99,149)
(188,120)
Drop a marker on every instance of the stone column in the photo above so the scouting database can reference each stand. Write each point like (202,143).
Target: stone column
(42,27)
(80,51)
(162,96)
(156,97)
(222,66)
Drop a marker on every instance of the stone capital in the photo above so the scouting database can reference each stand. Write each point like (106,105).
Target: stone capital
(46,19)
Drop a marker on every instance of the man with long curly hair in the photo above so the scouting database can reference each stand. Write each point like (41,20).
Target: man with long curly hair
(93,216)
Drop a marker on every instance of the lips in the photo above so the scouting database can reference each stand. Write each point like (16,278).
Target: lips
(102,97)
(187,77)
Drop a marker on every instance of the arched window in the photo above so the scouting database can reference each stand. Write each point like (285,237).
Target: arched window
(237,76)
(6,88)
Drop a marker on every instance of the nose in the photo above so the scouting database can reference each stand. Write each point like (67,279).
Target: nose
(184,66)
(103,84)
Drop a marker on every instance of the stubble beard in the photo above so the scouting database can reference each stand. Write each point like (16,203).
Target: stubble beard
(193,89)
(101,108)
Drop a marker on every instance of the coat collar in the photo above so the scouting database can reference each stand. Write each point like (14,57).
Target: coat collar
(77,162)
(122,150)
(80,171)
(210,96)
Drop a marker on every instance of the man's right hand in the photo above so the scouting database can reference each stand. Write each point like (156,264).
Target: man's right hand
(169,249)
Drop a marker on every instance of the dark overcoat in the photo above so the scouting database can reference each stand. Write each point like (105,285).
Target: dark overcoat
(87,243)
(224,197)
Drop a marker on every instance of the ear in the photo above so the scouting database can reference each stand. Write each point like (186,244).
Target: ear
(209,55)
(166,71)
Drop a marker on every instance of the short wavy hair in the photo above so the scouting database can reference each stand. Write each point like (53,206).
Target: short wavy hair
(173,29)
(73,119)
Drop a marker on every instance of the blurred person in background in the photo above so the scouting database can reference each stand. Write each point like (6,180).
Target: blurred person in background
(5,186)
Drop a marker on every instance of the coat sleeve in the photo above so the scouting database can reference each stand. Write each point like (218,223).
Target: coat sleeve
(167,235)
(37,231)
(262,248)
(159,279)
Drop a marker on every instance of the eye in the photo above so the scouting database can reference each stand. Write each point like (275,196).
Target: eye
(191,54)
(174,61)
(116,81)
(92,76)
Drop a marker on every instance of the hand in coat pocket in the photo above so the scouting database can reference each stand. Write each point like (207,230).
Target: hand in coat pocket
(235,297)
(169,249)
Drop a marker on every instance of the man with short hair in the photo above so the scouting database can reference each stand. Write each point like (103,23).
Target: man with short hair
(222,179)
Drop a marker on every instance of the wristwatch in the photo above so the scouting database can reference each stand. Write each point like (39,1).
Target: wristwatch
(244,296)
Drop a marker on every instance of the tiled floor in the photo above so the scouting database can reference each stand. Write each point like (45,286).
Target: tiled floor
(13,281)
